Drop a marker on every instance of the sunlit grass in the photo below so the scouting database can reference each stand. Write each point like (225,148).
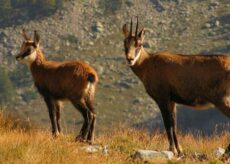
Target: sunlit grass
(18,145)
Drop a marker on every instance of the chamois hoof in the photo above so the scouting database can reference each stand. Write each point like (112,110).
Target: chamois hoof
(226,156)
(80,139)
(56,135)
(180,151)
(173,149)
(91,142)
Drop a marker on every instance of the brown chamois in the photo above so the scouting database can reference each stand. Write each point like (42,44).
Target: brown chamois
(193,80)
(57,81)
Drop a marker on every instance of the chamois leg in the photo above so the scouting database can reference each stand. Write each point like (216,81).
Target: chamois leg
(224,105)
(52,115)
(87,122)
(58,115)
(227,152)
(87,117)
(166,108)
(91,134)
(224,108)
(174,124)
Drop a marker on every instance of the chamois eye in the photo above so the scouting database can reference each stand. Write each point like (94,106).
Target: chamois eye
(27,52)
(29,49)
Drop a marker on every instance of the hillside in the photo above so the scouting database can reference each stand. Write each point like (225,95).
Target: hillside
(91,31)
(20,142)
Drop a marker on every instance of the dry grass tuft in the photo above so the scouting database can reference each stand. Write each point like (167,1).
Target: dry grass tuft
(19,143)
(9,122)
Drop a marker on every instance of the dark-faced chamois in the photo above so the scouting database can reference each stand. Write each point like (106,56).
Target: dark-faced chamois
(199,81)
(57,81)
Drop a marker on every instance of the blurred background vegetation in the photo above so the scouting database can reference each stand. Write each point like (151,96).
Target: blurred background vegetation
(9,6)
(7,90)
(90,30)
(34,8)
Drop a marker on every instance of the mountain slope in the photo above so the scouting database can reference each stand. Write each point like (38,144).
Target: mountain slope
(91,31)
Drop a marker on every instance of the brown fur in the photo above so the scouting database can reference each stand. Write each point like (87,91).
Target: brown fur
(198,81)
(65,80)
(56,81)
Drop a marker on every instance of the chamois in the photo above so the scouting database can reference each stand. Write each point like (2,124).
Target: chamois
(57,81)
(199,81)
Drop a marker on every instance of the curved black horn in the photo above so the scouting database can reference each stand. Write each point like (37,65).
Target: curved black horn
(131,27)
(136,28)
(24,34)
(36,38)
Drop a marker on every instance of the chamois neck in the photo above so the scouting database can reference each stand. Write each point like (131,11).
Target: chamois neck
(143,56)
(40,58)
(139,66)
(37,66)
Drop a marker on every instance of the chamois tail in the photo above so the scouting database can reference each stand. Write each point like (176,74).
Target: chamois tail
(91,78)
(90,89)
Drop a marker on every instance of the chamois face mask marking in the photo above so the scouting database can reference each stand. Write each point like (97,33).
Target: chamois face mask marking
(132,50)
(27,53)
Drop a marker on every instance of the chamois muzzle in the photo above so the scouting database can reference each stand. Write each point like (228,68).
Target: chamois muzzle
(18,57)
(23,54)
(130,60)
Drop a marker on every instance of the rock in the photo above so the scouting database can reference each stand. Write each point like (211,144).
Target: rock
(219,151)
(159,6)
(168,154)
(217,23)
(129,3)
(13,52)
(4,40)
(200,156)
(105,150)
(98,27)
(124,84)
(152,155)
(67,43)
(207,25)
(137,101)
(179,2)
(95,148)
(213,5)
(91,43)
(57,48)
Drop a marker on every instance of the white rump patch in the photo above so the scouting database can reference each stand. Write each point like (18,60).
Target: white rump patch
(89,90)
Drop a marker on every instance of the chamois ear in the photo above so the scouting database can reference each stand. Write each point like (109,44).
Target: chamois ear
(25,35)
(141,35)
(125,30)
(36,38)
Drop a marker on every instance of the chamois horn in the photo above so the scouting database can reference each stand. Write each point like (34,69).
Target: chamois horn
(136,28)
(131,27)
(24,34)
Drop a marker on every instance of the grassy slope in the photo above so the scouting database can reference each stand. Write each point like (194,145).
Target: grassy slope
(20,143)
